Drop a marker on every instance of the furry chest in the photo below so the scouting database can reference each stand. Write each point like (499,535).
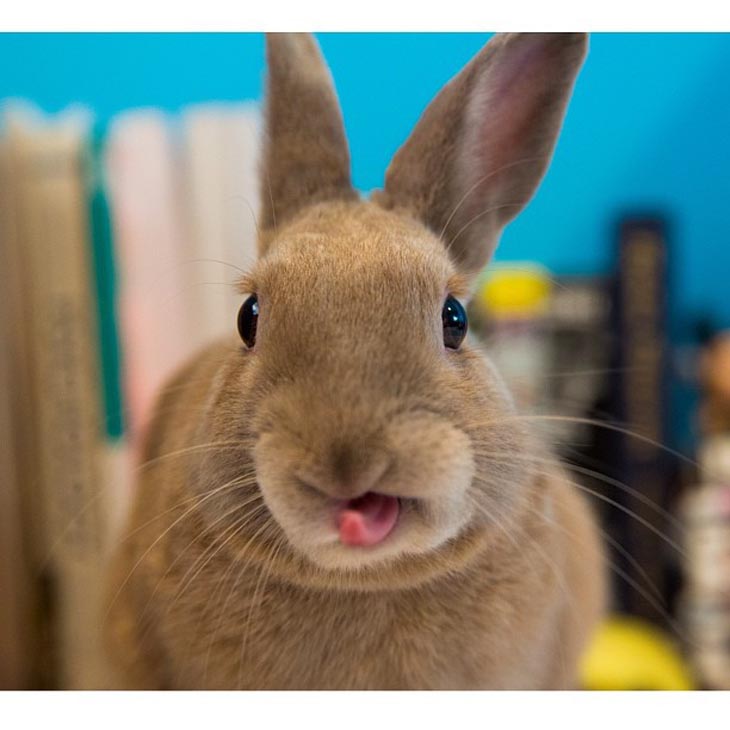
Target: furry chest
(291,638)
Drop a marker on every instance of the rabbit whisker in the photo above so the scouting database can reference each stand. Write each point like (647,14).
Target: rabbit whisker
(263,578)
(191,509)
(237,524)
(261,532)
(246,480)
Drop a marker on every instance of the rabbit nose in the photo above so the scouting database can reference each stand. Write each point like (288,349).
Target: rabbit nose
(349,473)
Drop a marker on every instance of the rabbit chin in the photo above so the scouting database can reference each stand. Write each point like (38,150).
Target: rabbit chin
(309,522)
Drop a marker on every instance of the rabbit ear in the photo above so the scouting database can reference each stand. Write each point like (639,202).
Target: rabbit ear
(480,149)
(305,157)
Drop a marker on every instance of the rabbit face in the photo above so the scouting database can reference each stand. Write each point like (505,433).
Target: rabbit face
(357,397)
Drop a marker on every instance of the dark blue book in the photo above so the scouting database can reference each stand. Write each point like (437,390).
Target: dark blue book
(640,406)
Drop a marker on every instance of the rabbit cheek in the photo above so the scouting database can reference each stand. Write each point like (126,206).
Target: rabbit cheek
(305,516)
(435,468)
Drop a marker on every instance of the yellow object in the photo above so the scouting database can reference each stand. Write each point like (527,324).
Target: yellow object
(631,654)
(514,292)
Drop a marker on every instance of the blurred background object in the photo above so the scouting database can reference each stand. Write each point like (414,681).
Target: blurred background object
(632,654)
(128,205)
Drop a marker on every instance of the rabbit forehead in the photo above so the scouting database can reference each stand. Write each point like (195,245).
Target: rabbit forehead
(354,250)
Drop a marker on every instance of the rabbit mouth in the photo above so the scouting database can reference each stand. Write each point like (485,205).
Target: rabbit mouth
(367,520)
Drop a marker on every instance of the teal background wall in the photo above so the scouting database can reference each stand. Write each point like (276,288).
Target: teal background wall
(648,129)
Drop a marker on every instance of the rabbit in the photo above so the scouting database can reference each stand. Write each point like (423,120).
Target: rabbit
(342,494)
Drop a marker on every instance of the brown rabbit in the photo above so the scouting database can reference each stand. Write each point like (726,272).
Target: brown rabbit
(348,499)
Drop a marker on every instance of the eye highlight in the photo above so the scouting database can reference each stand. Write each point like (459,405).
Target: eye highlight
(453,317)
(248,317)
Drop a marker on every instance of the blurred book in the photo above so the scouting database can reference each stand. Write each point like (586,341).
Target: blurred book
(68,497)
(116,456)
(639,405)
(221,202)
(146,209)
(20,605)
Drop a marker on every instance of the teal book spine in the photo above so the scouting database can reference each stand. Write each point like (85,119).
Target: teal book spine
(105,280)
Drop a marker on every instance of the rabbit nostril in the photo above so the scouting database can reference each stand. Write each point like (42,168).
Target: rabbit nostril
(345,483)
(309,486)
(358,471)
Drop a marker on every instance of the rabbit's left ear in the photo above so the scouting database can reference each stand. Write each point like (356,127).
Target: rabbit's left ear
(482,146)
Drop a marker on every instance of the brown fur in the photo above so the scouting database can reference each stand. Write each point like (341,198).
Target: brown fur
(233,576)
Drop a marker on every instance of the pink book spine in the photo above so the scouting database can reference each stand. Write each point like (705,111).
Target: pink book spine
(145,206)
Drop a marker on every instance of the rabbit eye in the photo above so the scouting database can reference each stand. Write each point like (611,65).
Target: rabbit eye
(248,317)
(454,320)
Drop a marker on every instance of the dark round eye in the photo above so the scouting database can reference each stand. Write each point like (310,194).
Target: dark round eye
(453,317)
(248,317)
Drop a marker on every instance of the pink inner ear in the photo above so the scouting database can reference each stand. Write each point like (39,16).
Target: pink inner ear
(511,125)
(514,96)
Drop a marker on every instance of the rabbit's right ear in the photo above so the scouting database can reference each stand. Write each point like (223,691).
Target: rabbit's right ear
(305,157)
(481,147)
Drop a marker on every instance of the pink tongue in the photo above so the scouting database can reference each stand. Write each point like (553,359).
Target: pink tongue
(367,520)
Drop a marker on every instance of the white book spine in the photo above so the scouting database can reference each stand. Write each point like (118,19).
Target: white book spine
(221,155)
